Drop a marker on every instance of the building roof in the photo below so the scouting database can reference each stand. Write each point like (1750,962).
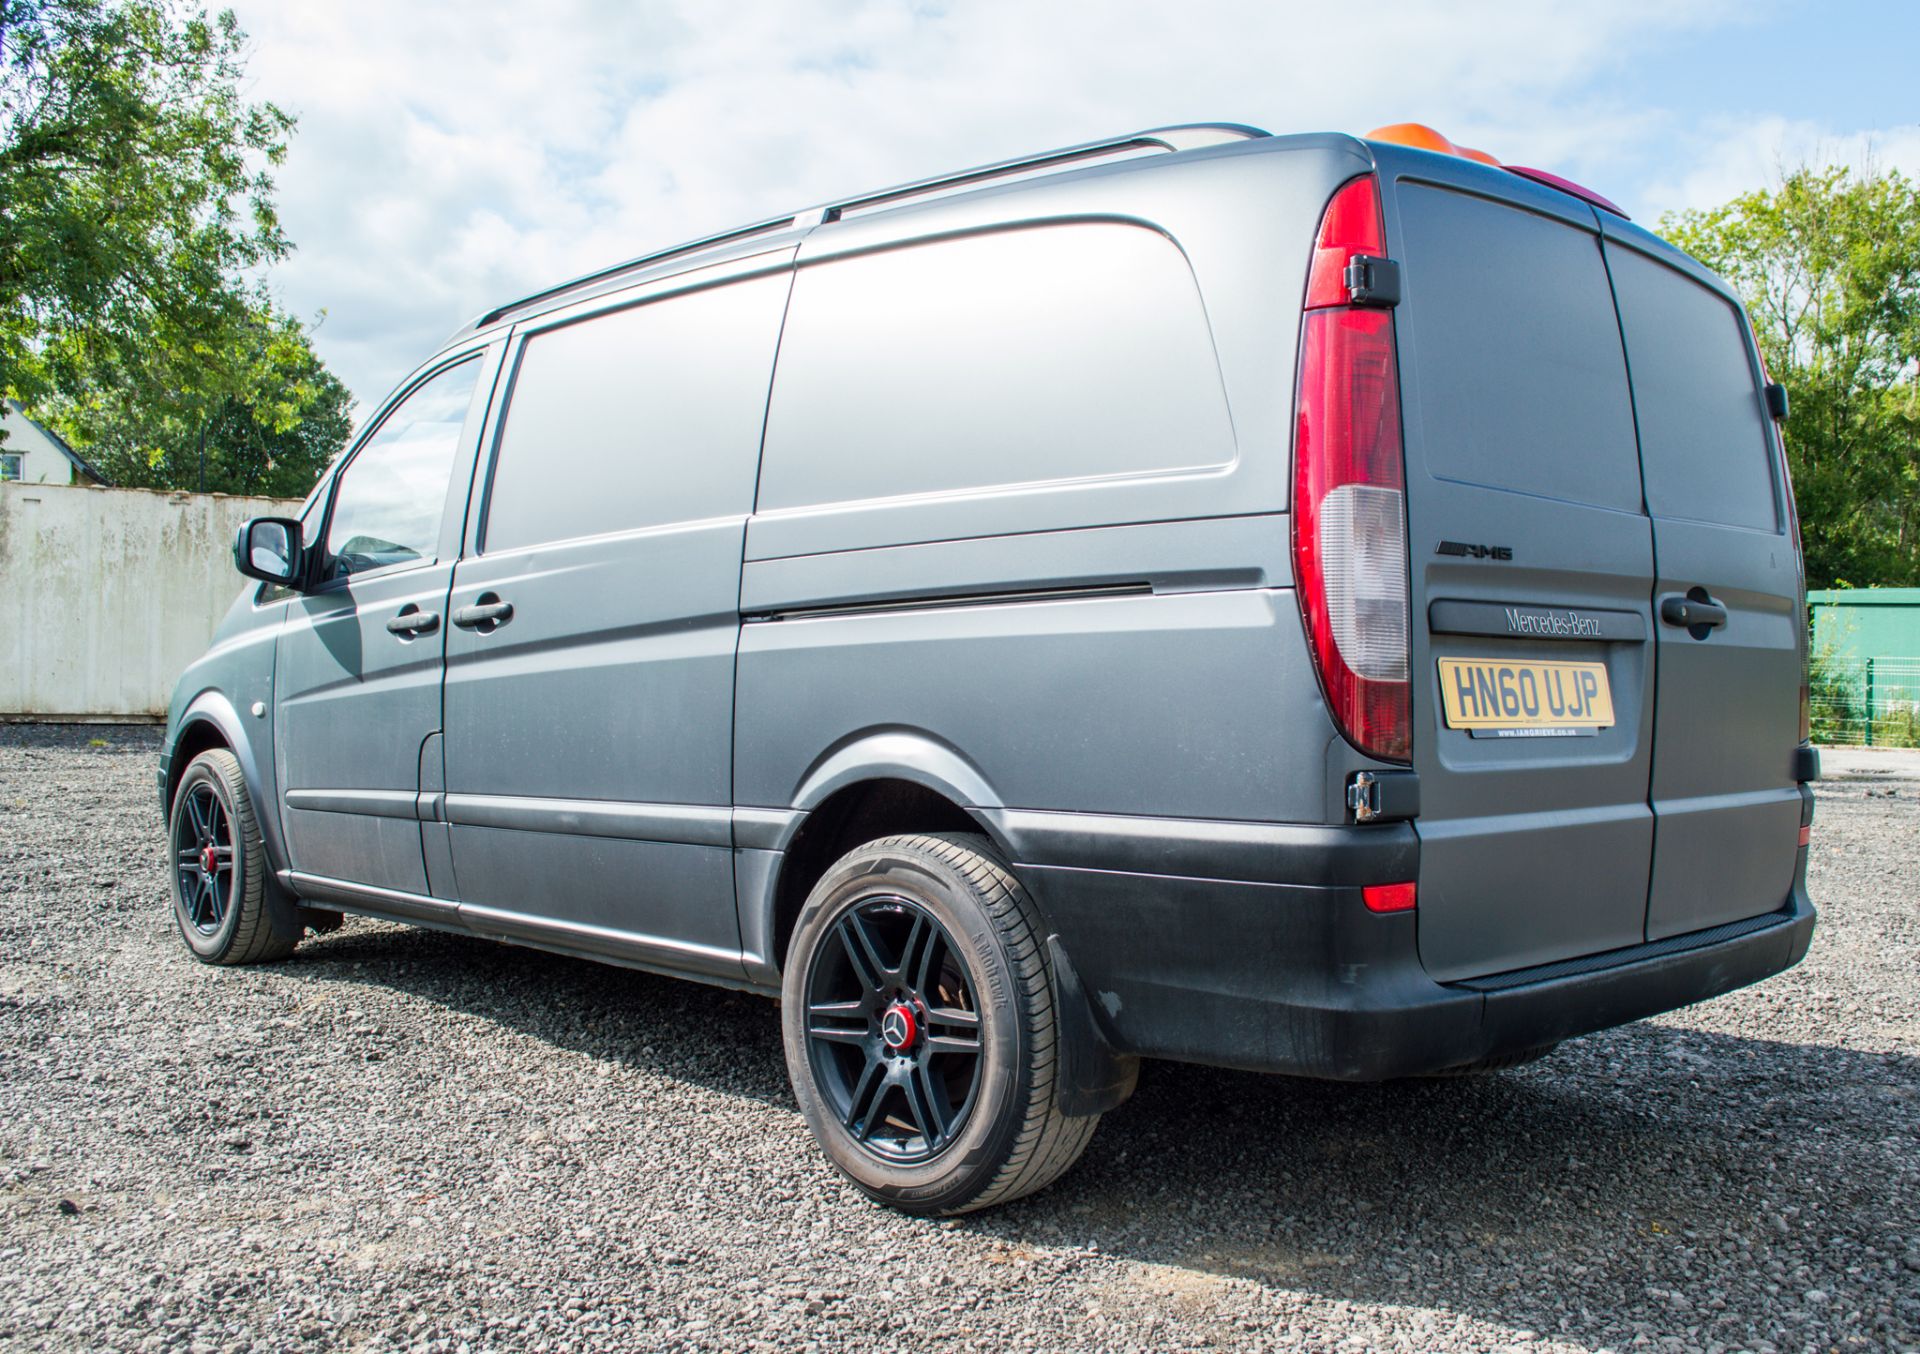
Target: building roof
(57,442)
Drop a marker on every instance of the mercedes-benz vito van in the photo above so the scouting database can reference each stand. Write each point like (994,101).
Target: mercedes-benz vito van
(1306,604)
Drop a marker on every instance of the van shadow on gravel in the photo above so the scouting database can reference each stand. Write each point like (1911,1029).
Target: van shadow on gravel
(1641,1174)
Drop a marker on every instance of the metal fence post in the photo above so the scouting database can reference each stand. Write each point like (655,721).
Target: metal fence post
(1869,702)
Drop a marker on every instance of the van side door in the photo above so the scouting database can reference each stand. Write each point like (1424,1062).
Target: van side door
(595,618)
(357,669)
(1726,609)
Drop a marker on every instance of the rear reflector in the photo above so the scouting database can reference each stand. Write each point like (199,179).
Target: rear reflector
(1806,836)
(1389,897)
(1349,500)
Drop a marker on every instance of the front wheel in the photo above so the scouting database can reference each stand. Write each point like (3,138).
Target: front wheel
(228,907)
(921,1034)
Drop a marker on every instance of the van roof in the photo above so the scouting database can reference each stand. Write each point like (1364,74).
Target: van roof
(1182,137)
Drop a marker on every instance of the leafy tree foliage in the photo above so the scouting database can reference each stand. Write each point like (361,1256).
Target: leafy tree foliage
(267,422)
(1829,266)
(135,195)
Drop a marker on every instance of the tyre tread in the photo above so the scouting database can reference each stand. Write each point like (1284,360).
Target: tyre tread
(268,926)
(1047,1142)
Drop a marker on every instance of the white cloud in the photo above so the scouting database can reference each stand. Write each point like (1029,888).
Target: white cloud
(451,157)
(1729,157)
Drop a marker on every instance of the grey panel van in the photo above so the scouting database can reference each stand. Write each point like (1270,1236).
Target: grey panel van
(1304,604)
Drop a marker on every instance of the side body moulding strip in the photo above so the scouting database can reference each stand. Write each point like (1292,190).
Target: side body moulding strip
(949,601)
(693,824)
(373,803)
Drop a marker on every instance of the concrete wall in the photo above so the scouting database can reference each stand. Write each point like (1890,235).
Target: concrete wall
(106,594)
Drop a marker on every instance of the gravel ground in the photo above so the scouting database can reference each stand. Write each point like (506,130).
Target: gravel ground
(405,1139)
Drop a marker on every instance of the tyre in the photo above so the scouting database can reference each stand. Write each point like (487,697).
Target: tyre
(229,908)
(920,1026)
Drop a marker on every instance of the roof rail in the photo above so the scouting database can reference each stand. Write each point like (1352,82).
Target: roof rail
(658,256)
(1186,136)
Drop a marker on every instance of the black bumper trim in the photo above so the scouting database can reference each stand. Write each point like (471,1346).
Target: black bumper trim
(1296,853)
(1305,980)
(1632,954)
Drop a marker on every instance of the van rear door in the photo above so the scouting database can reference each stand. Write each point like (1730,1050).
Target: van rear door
(1531,574)
(1726,805)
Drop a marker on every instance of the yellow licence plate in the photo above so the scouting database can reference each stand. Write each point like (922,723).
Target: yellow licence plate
(1489,693)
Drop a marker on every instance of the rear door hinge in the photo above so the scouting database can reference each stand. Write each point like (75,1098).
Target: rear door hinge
(1372,281)
(1375,796)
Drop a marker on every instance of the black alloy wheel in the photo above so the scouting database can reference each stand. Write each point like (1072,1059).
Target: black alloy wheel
(229,908)
(893,1029)
(923,1041)
(203,854)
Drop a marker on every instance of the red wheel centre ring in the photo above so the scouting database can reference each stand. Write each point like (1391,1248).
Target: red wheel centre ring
(209,859)
(898,1027)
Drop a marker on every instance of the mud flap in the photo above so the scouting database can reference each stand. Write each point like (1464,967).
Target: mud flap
(1094,1077)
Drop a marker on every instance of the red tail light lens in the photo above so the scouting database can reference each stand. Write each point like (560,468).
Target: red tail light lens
(1349,503)
(1351,226)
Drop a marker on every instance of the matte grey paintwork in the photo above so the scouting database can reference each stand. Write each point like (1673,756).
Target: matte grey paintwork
(1102,662)
(353,701)
(1725,800)
(612,683)
(1531,850)
(1685,813)
(1225,208)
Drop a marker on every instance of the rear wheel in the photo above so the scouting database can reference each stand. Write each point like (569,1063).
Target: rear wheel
(920,1029)
(229,909)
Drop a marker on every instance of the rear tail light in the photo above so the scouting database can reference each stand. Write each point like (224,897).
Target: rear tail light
(1349,503)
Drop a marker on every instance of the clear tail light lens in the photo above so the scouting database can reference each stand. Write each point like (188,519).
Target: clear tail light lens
(1349,505)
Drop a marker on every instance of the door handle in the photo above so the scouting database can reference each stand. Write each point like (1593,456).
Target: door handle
(487,614)
(413,621)
(1696,613)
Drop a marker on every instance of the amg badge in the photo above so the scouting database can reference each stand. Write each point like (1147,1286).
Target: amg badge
(1474,551)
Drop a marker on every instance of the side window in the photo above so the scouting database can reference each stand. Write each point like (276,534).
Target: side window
(638,417)
(388,505)
(1704,445)
(12,465)
(1053,353)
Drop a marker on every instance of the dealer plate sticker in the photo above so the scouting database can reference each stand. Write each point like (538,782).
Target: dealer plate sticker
(1500,698)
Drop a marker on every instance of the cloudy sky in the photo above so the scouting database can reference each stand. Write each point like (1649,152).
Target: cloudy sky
(453,156)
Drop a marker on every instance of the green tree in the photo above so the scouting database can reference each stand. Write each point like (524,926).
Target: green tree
(260,414)
(1829,266)
(135,196)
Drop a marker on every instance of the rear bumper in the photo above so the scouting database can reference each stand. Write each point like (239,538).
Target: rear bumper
(1299,977)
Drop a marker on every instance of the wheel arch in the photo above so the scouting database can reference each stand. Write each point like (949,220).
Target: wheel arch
(855,813)
(880,783)
(211,721)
